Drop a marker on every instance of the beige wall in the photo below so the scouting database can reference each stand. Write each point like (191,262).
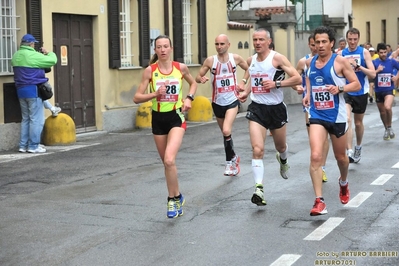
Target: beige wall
(374,11)
(114,88)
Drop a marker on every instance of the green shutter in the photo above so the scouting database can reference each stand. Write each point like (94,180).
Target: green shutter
(144,32)
(114,48)
(34,20)
(202,41)
(178,51)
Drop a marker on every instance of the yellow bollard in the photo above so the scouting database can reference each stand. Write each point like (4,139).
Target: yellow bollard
(143,115)
(201,110)
(59,130)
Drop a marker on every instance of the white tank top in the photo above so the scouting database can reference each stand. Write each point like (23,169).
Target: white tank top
(265,70)
(224,81)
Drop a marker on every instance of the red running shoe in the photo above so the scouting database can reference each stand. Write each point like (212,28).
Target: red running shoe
(319,208)
(344,193)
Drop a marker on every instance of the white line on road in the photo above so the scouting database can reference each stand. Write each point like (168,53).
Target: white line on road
(324,229)
(395,166)
(50,150)
(358,200)
(381,180)
(286,260)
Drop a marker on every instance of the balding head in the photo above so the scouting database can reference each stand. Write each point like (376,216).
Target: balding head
(222,38)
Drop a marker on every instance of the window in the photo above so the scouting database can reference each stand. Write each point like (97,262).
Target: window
(8,33)
(126,34)
(185,37)
(187,53)
(123,43)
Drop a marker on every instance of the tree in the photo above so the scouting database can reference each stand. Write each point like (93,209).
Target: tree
(294,2)
(231,4)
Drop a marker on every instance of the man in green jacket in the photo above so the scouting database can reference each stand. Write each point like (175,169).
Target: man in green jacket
(28,66)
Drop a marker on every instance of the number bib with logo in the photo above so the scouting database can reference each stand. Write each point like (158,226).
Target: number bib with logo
(384,80)
(322,98)
(225,83)
(357,59)
(256,83)
(172,90)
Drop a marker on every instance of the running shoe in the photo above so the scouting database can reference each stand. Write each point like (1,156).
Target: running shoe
(283,167)
(258,197)
(391,133)
(319,208)
(172,208)
(179,204)
(344,193)
(358,154)
(235,165)
(55,110)
(39,149)
(324,176)
(386,135)
(228,169)
(350,155)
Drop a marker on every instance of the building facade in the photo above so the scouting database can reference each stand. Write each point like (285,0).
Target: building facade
(103,46)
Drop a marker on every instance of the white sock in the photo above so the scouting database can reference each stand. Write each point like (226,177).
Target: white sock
(343,183)
(283,155)
(258,170)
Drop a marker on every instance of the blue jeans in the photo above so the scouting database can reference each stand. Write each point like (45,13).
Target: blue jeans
(32,122)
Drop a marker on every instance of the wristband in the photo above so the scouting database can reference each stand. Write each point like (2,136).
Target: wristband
(245,81)
(190,96)
(278,84)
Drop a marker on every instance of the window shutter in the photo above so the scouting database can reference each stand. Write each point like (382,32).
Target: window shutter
(177,7)
(166,16)
(114,49)
(202,41)
(34,21)
(144,33)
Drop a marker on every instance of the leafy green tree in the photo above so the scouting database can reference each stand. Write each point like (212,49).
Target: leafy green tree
(231,4)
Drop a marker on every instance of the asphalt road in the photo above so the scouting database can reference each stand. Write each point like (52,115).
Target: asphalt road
(102,201)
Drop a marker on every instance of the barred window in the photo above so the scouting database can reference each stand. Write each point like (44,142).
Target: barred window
(187,32)
(8,34)
(126,34)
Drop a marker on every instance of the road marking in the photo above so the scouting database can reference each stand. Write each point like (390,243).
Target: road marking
(395,166)
(381,180)
(286,260)
(324,229)
(358,200)
(50,150)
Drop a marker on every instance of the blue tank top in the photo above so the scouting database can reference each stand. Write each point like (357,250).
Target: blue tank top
(324,105)
(383,80)
(358,56)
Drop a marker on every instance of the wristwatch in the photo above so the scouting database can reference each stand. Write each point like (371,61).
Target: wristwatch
(278,84)
(341,89)
(190,96)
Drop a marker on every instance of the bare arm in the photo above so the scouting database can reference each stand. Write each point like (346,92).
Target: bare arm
(246,90)
(300,67)
(201,78)
(348,73)
(140,96)
(369,71)
(193,86)
(243,64)
(294,77)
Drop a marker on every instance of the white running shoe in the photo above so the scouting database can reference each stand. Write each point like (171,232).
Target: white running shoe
(39,149)
(55,110)
(228,171)
(358,154)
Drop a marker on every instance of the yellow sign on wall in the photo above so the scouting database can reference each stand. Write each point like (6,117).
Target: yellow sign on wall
(64,55)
